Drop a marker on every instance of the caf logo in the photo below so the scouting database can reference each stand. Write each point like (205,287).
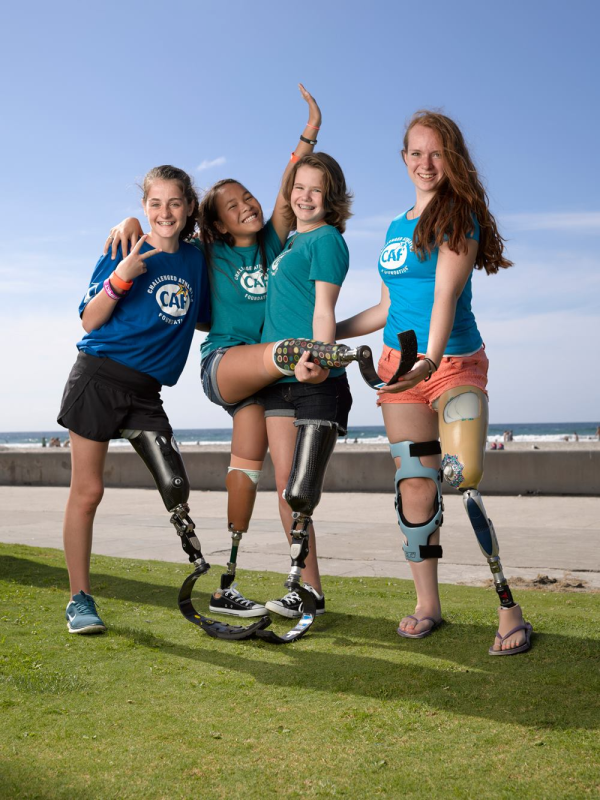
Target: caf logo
(394,255)
(173,299)
(254,282)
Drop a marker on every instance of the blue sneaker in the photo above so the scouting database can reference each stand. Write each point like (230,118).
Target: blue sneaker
(81,615)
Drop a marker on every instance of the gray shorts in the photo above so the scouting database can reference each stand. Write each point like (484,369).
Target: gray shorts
(208,376)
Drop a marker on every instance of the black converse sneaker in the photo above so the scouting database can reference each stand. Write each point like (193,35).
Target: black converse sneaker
(291,604)
(230,601)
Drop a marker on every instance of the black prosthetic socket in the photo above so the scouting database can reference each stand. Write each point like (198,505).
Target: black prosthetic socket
(314,446)
(159,453)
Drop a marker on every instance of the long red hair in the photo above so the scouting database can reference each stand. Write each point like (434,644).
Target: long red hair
(448,217)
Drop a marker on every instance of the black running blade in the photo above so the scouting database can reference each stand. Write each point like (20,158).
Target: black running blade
(407,342)
(309,606)
(214,628)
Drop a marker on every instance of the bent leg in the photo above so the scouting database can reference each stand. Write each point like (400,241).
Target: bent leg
(87,487)
(463,423)
(417,423)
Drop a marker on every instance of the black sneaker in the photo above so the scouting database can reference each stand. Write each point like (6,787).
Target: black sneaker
(230,601)
(291,604)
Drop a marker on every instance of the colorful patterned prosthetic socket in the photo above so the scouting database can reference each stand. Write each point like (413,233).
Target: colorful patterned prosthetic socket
(288,352)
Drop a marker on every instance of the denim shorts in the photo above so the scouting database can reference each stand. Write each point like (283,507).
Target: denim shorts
(330,400)
(208,376)
(102,397)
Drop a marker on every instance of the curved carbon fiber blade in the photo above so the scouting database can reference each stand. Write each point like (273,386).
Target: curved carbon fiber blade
(407,342)
(309,605)
(214,628)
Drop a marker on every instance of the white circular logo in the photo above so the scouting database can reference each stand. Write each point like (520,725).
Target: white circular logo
(254,282)
(173,299)
(394,255)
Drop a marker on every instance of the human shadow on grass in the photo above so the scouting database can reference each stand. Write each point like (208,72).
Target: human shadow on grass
(551,686)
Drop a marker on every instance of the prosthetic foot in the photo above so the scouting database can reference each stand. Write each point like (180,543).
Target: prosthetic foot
(159,453)
(314,446)
(288,352)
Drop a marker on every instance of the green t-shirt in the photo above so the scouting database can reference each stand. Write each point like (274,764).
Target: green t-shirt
(238,291)
(319,255)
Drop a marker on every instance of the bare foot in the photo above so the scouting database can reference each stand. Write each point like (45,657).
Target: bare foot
(510,618)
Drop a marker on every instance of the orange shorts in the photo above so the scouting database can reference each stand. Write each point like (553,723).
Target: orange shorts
(454,371)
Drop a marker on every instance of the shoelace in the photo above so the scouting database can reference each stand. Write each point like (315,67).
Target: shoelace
(233,594)
(291,597)
(85,605)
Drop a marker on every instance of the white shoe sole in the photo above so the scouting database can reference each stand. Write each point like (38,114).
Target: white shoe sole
(87,629)
(286,612)
(232,612)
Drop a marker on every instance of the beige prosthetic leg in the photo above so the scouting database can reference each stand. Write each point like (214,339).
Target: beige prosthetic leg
(463,424)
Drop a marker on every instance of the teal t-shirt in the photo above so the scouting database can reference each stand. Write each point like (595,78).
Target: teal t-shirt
(319,255)
(238,292)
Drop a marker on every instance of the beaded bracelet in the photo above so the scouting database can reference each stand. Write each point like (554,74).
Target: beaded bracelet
(110,291)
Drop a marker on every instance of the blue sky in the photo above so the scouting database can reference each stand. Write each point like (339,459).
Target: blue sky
(94,95)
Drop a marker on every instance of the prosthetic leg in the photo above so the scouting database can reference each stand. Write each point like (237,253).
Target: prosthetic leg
(463,422)
(314,446)
(159,453)
(288,352)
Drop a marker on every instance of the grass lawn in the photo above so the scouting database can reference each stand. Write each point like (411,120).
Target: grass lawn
(157,709)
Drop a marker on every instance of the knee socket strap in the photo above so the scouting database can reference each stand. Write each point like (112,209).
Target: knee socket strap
(159,453)
(314,446)
(417,545)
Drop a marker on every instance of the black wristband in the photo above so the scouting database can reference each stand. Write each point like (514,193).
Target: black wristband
(307,141)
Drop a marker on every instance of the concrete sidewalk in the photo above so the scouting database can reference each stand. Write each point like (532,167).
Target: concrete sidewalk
(357,534)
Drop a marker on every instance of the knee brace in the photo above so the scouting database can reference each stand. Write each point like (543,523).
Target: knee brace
(159,453)
(463,424)
(416,545)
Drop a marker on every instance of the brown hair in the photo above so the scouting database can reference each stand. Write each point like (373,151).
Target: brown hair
(448,217)
(168,173)
(336,197)
(207,218)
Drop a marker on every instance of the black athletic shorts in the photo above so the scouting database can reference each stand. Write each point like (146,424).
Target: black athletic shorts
(103,397)
(330,400)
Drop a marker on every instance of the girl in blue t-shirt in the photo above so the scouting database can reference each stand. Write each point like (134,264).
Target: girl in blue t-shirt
(426,267)
(239,249)
(139,314)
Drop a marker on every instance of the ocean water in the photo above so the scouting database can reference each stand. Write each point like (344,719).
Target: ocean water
(372,434)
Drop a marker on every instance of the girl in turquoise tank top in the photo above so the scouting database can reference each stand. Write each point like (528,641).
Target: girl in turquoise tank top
(426,266)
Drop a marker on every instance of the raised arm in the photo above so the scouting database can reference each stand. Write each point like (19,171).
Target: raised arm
(126,234)
(367,321)
(303,147)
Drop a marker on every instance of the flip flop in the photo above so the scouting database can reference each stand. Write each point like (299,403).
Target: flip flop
(522,648)
(423,634)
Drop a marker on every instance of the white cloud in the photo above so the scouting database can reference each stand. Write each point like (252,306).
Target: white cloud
(206,164)
(568,221)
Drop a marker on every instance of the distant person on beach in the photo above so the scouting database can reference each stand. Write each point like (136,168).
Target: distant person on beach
(426,267)
(244,257)
(139,315)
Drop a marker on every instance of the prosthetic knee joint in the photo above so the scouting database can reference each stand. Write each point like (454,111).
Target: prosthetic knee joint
(160,454)
(416,536)
(463,422)
(314,446)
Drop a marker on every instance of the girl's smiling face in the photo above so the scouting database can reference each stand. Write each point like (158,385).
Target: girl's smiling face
(306,198)
(240,214)
(424,159)
(167,211)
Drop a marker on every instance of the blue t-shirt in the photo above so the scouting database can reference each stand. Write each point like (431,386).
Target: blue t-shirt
(411,284)
(151,329)
(238,288)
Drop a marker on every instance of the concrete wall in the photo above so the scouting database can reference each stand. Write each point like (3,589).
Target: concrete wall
(569,472)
